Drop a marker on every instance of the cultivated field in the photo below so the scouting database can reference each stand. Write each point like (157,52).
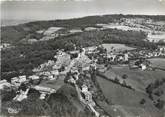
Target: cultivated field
(158,62)
(128,101)
(138,79)
(117,47)
(156,37)
(55,84)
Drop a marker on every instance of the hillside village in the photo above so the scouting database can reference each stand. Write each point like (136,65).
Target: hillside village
(68,67)
(85,68)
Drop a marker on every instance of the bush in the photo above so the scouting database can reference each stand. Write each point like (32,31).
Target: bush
(160,104)
(116,80)
(142,101)
(124,76)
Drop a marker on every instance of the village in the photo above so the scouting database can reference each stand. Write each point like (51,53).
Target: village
(68,67)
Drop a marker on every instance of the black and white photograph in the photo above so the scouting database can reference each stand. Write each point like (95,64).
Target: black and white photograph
(82,58)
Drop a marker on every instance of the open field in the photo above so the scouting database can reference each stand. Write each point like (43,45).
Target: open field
(158,62)
(117,47)
(138,79)
(123,27)
(156,37)
(127,101)
(55,84)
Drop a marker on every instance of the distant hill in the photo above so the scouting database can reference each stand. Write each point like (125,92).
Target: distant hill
(24,56)
(12,22)
(12,34)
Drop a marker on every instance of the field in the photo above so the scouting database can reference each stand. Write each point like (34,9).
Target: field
(157,37)
(127,101)
(55,84)
(138,79)
(117,47)
(158,62)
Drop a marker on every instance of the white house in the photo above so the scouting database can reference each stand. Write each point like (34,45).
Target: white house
(34,77)
(18,80)
(143,67)
(126,57)
(42,96)
(21,96)
(22,79)
(44,89)
(4,83)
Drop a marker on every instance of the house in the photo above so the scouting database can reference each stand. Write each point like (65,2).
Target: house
(139,63)
(34,77)
(88,95)
(4,83)
(126,57)
(15,81)
(75,31)
(40,31)
(120,58)
(56,67)
(63,59)
(55,72)
(50,77)
(90,28)
(74,69)
(22,95)
(101,68)
(86,68)
(71,80)
(143,67)
(93,66)
(32,41)
(4,45)
(22,79)
(42,96)
(18,80)
(90,50)
(43,89)
(74,54)
(111,57)
(84,88)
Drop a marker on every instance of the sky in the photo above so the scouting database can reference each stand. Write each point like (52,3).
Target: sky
(64,9)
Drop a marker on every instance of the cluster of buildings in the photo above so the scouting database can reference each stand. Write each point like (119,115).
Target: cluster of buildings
(48,71)
(5,45)
(3,84)
(77,62)
(83,92)
(118,57)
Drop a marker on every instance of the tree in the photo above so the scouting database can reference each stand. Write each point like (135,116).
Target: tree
(160,104)
(124,76)
(8,95)
(116,80)
(33,94)
(61,106)
(159,92)
(143,101)
(124,83)
(35,107)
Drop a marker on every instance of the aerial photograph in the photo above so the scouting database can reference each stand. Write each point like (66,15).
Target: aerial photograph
(82,58)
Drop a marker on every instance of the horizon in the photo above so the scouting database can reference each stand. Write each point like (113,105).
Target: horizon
(12,22)
(68,9)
